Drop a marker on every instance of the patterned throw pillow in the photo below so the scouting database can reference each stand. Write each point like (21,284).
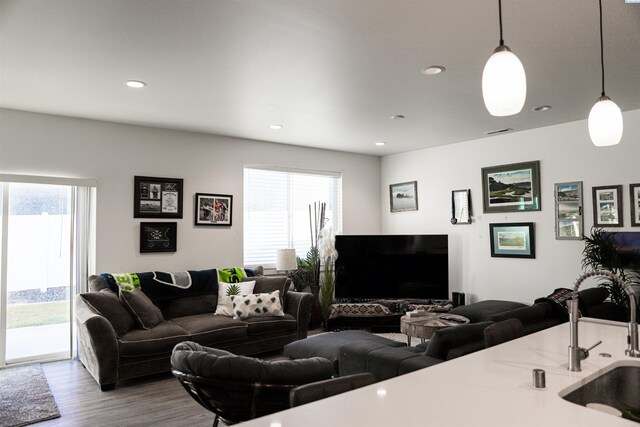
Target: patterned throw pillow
(254,305)
(226,290)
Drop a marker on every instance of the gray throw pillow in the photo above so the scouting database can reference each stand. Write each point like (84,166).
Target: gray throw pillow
(268,284)
(107,304)
(146,314)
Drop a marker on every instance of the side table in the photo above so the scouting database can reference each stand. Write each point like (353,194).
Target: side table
(423,327)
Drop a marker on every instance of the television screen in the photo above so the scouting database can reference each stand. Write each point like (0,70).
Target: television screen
(392,267)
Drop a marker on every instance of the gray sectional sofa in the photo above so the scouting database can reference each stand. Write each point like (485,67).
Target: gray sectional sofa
(116,344)
(389,359)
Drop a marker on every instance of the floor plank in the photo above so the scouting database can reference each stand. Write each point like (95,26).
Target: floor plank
(157,400)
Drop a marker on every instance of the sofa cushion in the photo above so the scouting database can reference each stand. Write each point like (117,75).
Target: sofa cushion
(271,324)
(445,340)
(210,328)
(483,310)
(385,362)
(187,306)
(527,315)
(107,304)
(266,284)
(353,356)
(593,296)
(257,305)
(225,290)
(417,363)
(146,313)
(159,340)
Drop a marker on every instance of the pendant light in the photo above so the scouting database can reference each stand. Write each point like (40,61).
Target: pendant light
(605,118)
(504,83)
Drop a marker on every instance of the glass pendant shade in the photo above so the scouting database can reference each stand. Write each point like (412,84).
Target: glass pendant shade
(605,123)
(504,83)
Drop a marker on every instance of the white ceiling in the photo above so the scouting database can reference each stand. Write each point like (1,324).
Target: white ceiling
(332,72)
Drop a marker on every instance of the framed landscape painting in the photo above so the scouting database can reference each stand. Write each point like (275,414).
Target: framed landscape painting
(512,240)
(511,188)
(213,209)
(634,189)
(568,198)
(403,196)
(607,206)
(157,197)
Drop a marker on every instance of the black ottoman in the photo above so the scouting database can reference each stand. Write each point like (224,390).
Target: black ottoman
(328,345)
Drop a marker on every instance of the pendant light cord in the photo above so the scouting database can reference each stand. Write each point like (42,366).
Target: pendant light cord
(601,48)
(500,18)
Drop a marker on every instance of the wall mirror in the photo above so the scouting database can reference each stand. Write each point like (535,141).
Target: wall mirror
(461,206)
(569,225)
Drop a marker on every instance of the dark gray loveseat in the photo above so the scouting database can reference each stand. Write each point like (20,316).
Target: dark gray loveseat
(113,346)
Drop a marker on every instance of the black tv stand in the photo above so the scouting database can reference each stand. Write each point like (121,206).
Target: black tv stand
(361,313)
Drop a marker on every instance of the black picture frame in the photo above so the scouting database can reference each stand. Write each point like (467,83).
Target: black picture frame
(155,197)
(213,209)
(511,188)
(158,237)
(403,196)
(512,240)
(634,202)
(607,206)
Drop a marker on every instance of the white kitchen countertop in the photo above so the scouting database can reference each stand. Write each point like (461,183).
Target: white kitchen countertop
(487,388)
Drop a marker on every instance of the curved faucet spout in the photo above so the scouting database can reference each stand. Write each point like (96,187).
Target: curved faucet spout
(575,353)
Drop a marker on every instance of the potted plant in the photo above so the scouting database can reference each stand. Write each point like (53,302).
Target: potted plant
(600,253)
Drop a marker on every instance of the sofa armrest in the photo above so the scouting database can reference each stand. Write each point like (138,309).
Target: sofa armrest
(97,345)
(298,304)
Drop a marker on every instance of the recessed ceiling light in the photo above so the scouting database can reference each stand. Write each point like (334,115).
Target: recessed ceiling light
(433,70)
(397,117)
(542,108)
(381,143)
(136,84)
(276,126)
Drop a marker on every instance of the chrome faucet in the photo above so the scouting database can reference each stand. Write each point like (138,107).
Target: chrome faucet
(577,353)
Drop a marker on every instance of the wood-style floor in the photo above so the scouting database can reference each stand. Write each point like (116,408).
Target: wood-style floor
(155,401)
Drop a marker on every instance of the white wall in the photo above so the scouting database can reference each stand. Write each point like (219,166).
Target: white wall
(565,153)
(37,144)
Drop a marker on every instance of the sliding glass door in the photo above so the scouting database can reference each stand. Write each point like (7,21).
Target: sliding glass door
(43,246)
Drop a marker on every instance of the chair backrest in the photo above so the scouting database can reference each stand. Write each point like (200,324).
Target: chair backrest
(319,390)
(503,331)
(236,401)
(238,388)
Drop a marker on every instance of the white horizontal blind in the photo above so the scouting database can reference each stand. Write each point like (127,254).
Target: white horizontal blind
(276,210)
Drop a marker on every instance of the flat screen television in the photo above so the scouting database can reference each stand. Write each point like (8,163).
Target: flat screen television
(392,267)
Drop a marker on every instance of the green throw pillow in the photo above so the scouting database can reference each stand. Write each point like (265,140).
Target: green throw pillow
(231,275)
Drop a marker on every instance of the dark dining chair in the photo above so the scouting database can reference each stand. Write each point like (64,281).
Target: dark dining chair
(239,388)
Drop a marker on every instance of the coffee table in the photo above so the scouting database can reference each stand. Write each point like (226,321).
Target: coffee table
(423,327)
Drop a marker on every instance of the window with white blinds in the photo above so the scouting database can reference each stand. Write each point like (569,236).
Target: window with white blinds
(276,210)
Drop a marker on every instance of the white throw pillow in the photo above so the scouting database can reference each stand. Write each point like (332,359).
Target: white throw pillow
(257,305)
(226,290)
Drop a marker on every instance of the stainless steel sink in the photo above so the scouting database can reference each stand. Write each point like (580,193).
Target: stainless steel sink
(618,386)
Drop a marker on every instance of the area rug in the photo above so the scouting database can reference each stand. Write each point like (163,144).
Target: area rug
(25,397)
